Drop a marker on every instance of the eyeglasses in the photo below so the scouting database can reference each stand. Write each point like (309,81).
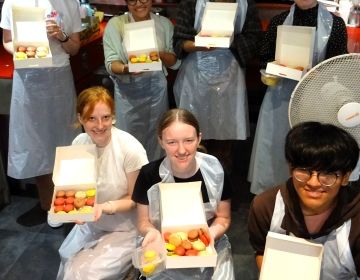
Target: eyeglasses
(325,179)
(133,2)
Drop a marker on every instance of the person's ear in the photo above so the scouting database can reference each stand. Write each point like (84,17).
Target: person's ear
(160,142)
(345,179)
(80,119)
(200,137)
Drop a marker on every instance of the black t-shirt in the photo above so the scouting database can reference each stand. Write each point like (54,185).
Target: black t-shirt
(149,175)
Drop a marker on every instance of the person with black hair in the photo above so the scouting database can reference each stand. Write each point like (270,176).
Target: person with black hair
(317,201)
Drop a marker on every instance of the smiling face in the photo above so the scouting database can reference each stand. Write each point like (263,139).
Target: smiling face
(180,142)
(306,4)
(316,199)
(99,123)
(141,10)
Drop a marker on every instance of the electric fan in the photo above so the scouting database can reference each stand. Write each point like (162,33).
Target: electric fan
(330,93)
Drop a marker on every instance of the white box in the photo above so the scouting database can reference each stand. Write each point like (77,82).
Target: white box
(217,26)
(140,41)
(182,209)
(294,48)
(75,169)
(287,257)
(29,30)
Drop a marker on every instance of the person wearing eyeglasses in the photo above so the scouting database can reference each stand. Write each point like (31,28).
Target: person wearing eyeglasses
(317,202)
(140,98)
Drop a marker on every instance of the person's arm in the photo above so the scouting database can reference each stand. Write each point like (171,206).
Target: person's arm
(123,204)
(337,43)
(222,219)
(246,43)
(259,259)
(145,227)
(7,41)
(69,42)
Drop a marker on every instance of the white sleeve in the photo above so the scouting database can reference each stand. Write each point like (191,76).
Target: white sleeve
(6,15)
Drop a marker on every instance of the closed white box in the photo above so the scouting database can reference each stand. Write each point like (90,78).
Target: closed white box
(29,30)
(140,40)
(294,48)
(182,209)
(287,257)
(217,26)
(75,169)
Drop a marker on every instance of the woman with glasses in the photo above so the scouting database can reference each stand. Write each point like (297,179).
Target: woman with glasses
(102,249)
(317,202)
(140,98)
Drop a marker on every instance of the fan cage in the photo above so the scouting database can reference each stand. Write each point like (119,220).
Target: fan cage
(325,89)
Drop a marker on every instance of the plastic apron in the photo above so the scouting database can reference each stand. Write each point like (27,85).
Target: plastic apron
(213,175)
(102,250)
(337,262)
(42,112)
(140,101)
(268,165)
(211,85)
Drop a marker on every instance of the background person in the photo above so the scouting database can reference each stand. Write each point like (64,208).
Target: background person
(211,81)
(317,202)
(140,98)
(102,249)
(179,136)
(268,165)
(42,102)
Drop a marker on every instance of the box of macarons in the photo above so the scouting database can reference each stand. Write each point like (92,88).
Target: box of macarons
(184,228)
(141,46)
(74,178)
(30,42)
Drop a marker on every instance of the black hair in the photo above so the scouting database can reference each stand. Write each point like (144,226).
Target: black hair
(321,147)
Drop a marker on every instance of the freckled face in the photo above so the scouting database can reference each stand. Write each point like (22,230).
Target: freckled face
(99,124)
(140,11)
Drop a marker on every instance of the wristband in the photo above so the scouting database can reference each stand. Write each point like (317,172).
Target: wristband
(66,37)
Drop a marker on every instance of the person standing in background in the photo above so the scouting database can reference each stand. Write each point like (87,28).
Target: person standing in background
(43,101)
(140,98)
(211,81)
(268,166)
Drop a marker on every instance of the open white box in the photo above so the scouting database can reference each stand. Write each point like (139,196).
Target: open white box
(75,169)
(217,26)
(140,40)
(287,257)
(29,29)
(294,48)
(182,209)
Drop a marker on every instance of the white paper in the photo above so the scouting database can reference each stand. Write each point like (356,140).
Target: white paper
(76,171)
(28,31)
(141,39)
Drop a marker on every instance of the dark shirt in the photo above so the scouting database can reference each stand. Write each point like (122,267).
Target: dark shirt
(262,209)
(149,176)
(245,45)
(337,43)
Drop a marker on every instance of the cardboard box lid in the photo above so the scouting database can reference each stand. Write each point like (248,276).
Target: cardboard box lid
(181,204)
(288,257)
(140,36)
(295,45)
(75,165)
(29,25)
(224,13)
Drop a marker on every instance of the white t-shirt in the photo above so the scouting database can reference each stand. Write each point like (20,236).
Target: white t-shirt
(68,11)
(124,154)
